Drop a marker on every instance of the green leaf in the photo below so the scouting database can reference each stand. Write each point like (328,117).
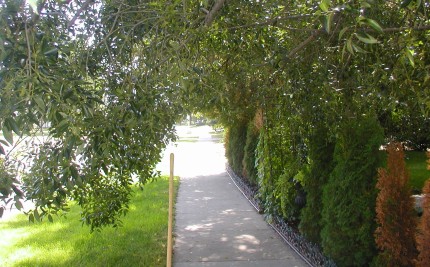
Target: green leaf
(7,133)
(328,21)
(18,205)
(405,3)
(365,4)
(325,5)
(349,46)
(342,32)
(4,142)
(50,52)
(62,125)
(410,57)
(366,38)
(50,218)
(375,25)
(40,103)
(358,49)
(12,125)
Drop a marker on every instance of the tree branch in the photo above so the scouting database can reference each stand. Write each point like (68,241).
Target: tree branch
(316,33)
(75,17)
(399,29)
(211,15)
(273,21)
(313,36)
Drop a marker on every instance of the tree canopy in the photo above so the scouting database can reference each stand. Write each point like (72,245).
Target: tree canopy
(109,78)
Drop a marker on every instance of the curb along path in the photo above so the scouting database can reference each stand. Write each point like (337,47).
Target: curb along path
(215,225)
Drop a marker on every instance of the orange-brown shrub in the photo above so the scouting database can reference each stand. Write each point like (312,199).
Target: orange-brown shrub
(395,211)
(423,236)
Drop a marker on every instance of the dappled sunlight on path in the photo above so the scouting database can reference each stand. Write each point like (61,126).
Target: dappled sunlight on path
(215,225)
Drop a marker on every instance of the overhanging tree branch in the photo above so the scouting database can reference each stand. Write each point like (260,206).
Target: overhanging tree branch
(273,21)
(76,16)
(211,15)
(313,36)
(316,33)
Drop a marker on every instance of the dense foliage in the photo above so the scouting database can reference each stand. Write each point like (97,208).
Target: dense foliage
(249,153)
(107,114)
(234,146)
(349,195)
(321,164)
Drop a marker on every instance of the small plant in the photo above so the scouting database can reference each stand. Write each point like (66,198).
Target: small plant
(394,211)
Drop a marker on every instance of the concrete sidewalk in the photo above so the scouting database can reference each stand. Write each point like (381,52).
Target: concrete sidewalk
(216,226)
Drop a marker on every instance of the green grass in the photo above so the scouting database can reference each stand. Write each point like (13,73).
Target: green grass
(417,166)
(141,241)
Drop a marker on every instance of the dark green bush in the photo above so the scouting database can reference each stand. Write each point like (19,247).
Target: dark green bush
(250,171)
(235,145)
(349,196)
(315,177)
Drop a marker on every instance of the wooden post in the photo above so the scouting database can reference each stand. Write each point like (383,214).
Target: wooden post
(169,227)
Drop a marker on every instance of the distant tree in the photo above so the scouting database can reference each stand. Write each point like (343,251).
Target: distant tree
(394,211)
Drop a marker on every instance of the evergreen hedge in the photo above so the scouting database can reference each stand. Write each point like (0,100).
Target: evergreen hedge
(250,171)
(235,144)
(348,214)
(316,176)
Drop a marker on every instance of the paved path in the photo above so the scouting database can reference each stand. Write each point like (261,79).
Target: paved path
(215,225)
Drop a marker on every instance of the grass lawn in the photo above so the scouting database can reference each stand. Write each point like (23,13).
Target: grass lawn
(140,242)
(417,166)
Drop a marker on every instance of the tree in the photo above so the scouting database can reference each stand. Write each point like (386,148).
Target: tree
(109,116)
(395,211)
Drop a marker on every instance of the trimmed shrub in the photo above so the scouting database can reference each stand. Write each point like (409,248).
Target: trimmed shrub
(235,144)
(250,171)
(348,213)
(395,211)
(319,169)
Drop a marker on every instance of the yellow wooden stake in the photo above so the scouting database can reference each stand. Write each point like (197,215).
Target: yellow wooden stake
(169,227)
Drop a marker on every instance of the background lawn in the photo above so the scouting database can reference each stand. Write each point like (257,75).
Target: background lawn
(417,166)
(140,242)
